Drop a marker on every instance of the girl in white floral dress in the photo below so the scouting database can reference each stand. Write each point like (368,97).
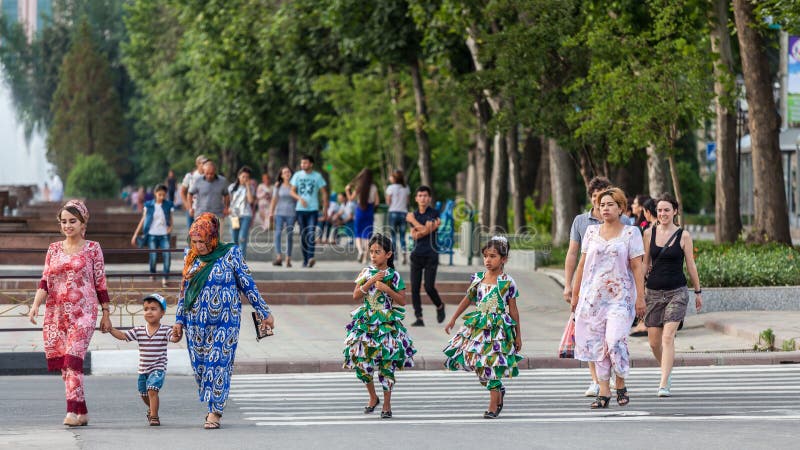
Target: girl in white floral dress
(377,343)
(489,342)
(610,280)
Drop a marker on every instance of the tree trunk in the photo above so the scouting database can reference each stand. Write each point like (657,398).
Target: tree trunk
(420,122)
(399,125)
(499,219)
(562,184)
(292,158)
(676,185)
(484,163)
(543,179)
(771,220)
(471,190)
(514,169)
(726,208)
(530,164)
(656,175)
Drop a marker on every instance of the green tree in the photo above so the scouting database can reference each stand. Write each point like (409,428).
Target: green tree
(87,116)
(92,177)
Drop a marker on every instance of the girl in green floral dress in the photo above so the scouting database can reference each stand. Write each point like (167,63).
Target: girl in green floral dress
(377,341)
(489,342)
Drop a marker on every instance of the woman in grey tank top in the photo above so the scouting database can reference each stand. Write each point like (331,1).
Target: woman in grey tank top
(282,209)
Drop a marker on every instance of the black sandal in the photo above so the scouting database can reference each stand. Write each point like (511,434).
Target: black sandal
(368,409)
(386,414)
(622,396)
(601,402)
(154,421)
(490,414)
(502,396)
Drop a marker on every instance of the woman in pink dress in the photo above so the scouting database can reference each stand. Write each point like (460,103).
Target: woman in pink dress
(74,284)
(610,280)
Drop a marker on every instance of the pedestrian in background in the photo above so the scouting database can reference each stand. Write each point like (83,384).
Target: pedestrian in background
(242,198)
(283,209)
(576,235)
(397,194)
(209,193)
(264,199)
(610,292)
(74,285)
(637,208)
(187,183)
(667,247)
(156,225)
(424,222)
(489,342)
(364,192)
(329,224)
(307,186)
(210,310)
(377,342)
(172,185)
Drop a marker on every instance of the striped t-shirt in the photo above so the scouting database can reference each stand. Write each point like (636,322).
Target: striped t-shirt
(152,349)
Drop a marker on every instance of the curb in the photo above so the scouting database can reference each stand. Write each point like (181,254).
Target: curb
(34,363)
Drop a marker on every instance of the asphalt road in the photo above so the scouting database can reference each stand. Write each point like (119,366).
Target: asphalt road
(712,408)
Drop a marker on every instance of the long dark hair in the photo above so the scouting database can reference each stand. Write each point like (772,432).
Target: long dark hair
(386,244)
(364,187)
(279,180)
(399,178)
(641,199)
(244,169)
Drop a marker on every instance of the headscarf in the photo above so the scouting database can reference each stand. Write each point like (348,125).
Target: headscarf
(206,228)
(82,210)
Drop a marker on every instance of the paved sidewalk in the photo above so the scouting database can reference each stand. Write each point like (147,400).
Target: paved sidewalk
(308,338)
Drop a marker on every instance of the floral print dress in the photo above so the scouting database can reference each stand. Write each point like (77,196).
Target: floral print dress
(75,285)
(605,308)
(485,344)
(377,341)
(212,325)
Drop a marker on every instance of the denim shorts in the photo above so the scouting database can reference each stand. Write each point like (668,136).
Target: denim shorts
(152,381)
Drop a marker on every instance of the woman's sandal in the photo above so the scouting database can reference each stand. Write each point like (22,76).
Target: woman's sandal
(622,397)
(600,402)
(386,414)
(155,422)
(209,425)
(491,414)
(370,408)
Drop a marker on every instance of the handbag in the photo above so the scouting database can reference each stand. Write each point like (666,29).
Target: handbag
(259,333)
(566,349)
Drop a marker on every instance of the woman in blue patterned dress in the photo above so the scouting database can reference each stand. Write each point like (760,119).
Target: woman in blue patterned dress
(489,342)
(210,310)
(377,341)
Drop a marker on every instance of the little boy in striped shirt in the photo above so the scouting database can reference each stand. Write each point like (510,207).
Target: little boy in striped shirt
(152,339)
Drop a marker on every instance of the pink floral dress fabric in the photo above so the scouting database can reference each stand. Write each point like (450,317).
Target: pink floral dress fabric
(605,308)
(75,285)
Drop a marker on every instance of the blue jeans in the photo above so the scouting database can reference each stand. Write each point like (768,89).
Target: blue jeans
(239,237)
(159,242)
(397,224)
(282,222)
(152,381)
(308,233)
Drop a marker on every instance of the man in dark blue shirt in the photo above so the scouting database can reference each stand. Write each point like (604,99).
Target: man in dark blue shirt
(424,258)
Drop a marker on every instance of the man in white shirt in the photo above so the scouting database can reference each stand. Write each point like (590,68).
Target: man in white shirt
(187,183)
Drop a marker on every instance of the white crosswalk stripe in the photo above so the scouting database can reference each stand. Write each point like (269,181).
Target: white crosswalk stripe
(728,393)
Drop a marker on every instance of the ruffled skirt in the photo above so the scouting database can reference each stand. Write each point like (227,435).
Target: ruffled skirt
(377,339)
(485,344)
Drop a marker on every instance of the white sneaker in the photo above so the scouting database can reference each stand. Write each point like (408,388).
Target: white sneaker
(593,390)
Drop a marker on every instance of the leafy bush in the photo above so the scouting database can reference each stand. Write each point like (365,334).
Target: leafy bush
(92,177)
(741,264)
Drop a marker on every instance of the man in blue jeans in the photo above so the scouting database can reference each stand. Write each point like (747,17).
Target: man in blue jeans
(307,185)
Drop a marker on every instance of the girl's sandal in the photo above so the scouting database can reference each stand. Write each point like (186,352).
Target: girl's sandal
(154,421)
(600,402)
(502,396)
(370,408)
(622,397)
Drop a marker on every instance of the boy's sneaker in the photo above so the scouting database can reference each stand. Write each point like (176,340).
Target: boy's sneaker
(593,390)
(418,323)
